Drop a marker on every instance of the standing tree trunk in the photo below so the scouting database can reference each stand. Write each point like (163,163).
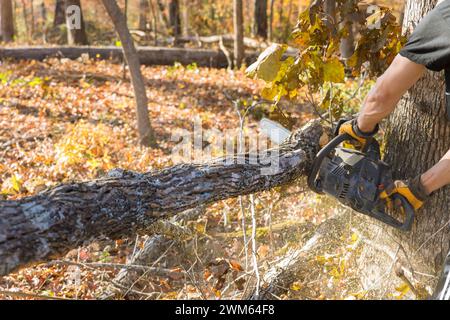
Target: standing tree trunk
(144,9)
(162,14)
(260,21)
(418,135)
(186,17)
(146,134)
(76,31)
(25,19)
(60,15)
(6,21)
(271,16)
(238,20)
(174,18)
(347,46)
(288,26)
(329,7)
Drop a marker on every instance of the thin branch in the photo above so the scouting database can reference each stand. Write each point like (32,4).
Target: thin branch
(29,295)
(255,259)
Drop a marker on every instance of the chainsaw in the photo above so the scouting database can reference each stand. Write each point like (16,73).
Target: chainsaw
(356,179)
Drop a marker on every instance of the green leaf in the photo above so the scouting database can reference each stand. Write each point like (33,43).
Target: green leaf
(268,63)
(334,71)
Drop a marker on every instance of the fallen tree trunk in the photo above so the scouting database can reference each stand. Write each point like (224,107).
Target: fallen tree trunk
(147,55)
(227,38)
(124,203)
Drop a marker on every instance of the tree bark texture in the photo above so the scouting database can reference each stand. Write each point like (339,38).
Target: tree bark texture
(146,134)
(6,21)
(418,135)
(51,223)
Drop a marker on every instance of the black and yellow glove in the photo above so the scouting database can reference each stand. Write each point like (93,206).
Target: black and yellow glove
(351,128)
(412,190)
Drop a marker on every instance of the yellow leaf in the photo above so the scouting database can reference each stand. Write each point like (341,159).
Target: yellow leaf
(333,71)
(296,286)
(16,183)
(268,63)
(269,93)
(354,238)
(402,290)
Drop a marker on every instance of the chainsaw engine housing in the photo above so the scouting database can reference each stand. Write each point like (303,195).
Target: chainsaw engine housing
(353,178)
(356,179)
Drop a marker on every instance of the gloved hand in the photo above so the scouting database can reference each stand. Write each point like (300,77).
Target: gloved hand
(351,127)
(412,190)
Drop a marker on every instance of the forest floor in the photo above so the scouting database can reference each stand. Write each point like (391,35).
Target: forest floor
(62,120)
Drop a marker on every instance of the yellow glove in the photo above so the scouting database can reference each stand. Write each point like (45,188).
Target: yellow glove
(413,191)
(351,128)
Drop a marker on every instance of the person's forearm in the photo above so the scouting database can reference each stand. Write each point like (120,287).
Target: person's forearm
(401,75)
(377,106)
(438,176)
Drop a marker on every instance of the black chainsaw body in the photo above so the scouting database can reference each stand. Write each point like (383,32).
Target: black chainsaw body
(356,179)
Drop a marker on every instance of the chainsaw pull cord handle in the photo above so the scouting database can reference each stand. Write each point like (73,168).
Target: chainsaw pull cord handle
(321,156)
(406,225)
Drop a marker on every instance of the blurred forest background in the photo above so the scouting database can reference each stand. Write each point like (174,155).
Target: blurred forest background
(35,21)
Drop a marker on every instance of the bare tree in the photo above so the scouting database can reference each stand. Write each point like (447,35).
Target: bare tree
(146,134)
(271,17)
(76,33)
(6,21)
(60,15)
(144,9)
(260,19)
(238,21)
(174,18)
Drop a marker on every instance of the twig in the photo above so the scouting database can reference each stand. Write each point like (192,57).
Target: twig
(226,53)
(255,259)
(431,237)
(29,295)
(94,265)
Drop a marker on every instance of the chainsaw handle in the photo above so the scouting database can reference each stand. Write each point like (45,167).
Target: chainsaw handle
(321,156)
(406,225)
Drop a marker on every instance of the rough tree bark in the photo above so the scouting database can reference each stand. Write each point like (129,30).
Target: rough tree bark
(54,221)
(6,21)
(260,19)
(75,34)
(238,22)
(418,135)
(146,133)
